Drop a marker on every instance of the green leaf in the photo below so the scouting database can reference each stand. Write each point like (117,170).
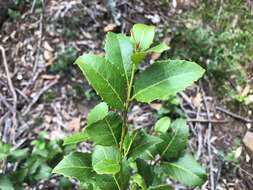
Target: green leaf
(106,182)
(107,167)
(162,125)
(138,57)
(142,35)
(119,50)
(160,187)
(76,165)
(106,132)
(104,78)
(97,113)
(142,143)
(140,181)
(19,154)
(5,183)
(164,78)
(174,142)
(145,171)
(105,153)
(159,48)
(4,151)
(76,138)
(186,170)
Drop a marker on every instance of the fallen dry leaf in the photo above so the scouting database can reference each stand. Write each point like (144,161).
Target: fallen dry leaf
(155,56)
(156,106)
(196,101)
(248,143)
(74,124)
(109,27)
(48,55)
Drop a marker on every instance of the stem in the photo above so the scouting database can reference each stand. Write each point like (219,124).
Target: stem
(124,125)
(116,181)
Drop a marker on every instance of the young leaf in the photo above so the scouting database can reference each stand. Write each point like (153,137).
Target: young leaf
(138,56)
(76,138)
(142,35)
(164,78)
(162,125)
(106,132)
(119,50)
(76,165)
(105,153)
(104,78)
(185,170)
(140,181)
(159,48)
(145,171)
(141,143)
(106,167)
(97,113)
(174,142)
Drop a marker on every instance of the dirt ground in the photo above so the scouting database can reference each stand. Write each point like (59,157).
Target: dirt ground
(56,99)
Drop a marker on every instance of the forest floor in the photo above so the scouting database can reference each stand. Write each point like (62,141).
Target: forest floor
(41,90)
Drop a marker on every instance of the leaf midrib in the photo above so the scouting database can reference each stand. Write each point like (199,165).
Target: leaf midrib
(167,147)
(111,130)
(114,90)
(184,169)
(123,64)
(155,84)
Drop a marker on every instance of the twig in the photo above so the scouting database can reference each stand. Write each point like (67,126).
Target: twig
(186,99)
(243,119)
(40,93)
(207,121)
(213,186)
(12,89)
(36,73)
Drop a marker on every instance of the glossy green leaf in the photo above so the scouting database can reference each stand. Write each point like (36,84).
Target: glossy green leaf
(106,132)
(104,78)
(97,113)
(141,143)
(159,48)
(186,170)
(142,35)
(107,167)
(76,165)
(119,50)
(162,125)
(105,153)
(76,138)
(145,170)
(164,78)
(174,142)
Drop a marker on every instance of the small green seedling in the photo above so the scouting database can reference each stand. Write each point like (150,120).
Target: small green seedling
(124,157)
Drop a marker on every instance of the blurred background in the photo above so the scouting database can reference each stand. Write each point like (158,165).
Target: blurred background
(44,97)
